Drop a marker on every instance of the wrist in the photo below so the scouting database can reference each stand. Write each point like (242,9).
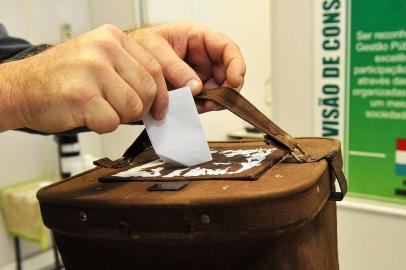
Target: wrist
(10,92)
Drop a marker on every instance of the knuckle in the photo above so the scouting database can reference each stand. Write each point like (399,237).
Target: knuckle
(177,72)
(155,68)
(135,108)
(95,63)
(79,95)
(107,44)
(148,87)
(92,110)
(152,43)
(176,69)
(109,124)
(112,29)
(195,37)
(151,90)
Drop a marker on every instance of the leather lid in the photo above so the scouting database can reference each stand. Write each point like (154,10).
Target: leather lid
(285,195)
(230,162)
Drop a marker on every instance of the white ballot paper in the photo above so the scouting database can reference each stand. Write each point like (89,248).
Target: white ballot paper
(179,138)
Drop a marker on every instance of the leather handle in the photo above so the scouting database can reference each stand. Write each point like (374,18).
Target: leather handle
(236,103)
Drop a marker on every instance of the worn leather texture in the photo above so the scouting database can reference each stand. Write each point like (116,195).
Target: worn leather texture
(209,224)
(312,246)
(236,103)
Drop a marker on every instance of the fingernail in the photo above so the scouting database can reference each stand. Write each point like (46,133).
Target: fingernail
(194,85)
(241,81)
(160,115)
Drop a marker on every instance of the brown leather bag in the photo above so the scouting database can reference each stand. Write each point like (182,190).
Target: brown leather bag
(277,212)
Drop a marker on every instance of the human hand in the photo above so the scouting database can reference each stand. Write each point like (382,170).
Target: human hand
(103,78)
(99,79)
(194,55)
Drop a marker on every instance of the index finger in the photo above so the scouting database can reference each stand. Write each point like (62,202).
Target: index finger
(160,103)
(224,51)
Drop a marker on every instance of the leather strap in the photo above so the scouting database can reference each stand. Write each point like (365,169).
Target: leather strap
(240,106)
(140,144)
(339,174)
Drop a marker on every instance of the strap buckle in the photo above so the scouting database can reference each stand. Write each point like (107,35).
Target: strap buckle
(302,156)
(298,154)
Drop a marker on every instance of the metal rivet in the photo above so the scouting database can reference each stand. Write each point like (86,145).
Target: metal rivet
(83,216)
(278,175)
(318,189)
(226,187)
(98,188)
(205,219)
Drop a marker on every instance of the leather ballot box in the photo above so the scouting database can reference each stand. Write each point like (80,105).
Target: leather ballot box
(267,204)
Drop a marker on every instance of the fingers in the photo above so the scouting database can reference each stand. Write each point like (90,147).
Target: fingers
(127,93)
(177,72)
(99,116)
(208,105)
(198,57)
(128,104)
(211,105)
(152,66)
(140,81)
(219,74)
(204,50)
(224,51)
(135,85)
(129,87)
(126,84)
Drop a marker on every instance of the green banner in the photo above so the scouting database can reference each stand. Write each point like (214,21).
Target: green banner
(376,100)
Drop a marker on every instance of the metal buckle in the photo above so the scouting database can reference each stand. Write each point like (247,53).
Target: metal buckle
(303,157)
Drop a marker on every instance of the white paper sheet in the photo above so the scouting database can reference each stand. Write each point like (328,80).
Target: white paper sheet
(179,138)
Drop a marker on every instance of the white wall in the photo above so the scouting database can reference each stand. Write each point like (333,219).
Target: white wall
(119,13)
(371,235)
(292,97)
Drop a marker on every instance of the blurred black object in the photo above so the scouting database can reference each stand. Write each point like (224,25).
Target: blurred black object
(71,132)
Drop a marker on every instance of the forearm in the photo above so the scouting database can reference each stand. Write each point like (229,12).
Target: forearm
(9,110)
(11,90)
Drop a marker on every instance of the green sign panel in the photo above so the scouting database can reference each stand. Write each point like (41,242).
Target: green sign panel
(376,98)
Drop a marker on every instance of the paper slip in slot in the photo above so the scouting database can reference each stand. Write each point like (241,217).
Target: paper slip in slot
(179,138)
